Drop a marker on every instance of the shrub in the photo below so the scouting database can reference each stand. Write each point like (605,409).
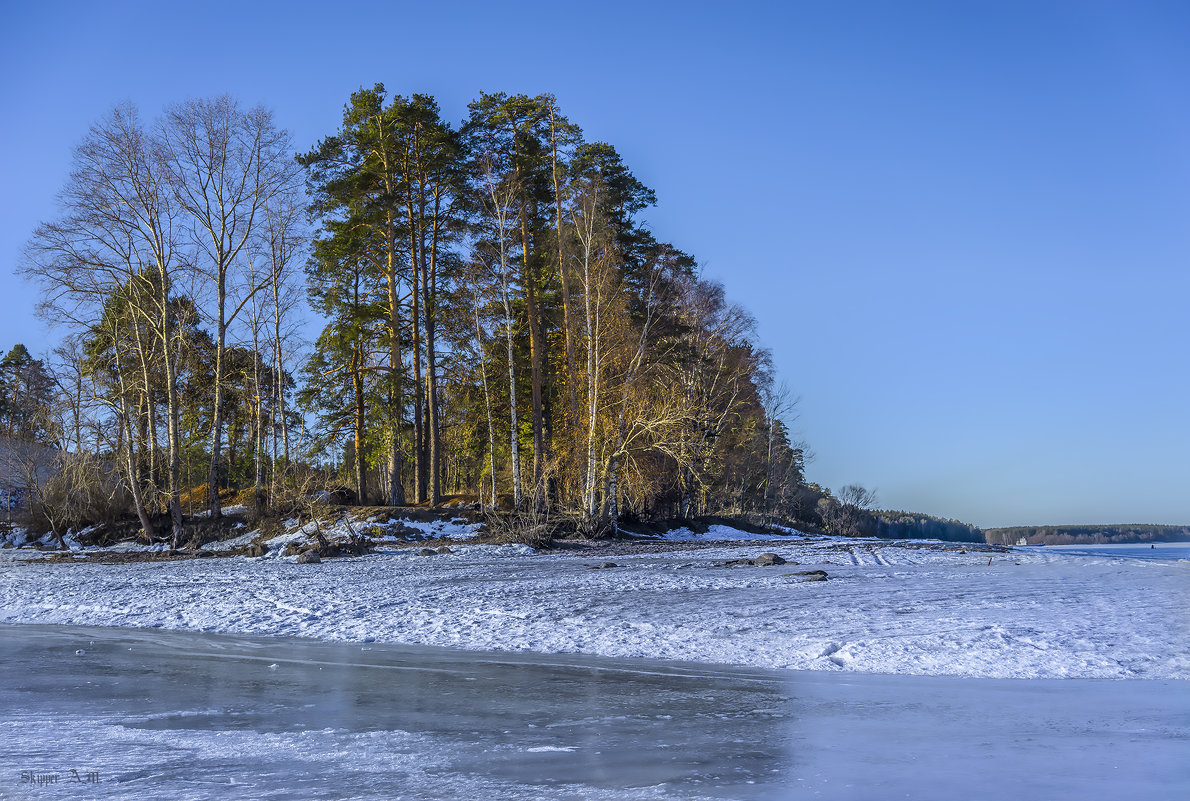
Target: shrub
(531,527)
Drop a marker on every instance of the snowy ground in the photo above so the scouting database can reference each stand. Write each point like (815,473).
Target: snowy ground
(885,608)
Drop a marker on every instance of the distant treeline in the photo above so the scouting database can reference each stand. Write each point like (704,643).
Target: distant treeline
(1087,535)
(910,525)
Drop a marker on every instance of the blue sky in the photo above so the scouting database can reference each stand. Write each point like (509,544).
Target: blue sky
(963,227)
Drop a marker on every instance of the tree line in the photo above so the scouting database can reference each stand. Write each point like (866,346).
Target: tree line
(498,321)
(1088,535)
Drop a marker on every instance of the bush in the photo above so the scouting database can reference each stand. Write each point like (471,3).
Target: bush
(532,528)
(82,491)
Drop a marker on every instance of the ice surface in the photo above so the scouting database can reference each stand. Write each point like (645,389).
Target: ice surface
(1159,551)
(885,608)
(179,716)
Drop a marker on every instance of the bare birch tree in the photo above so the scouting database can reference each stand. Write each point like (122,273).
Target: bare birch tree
(282,241)
(117,244)
(501,195)
(594,253)
(479,345)
(226,165)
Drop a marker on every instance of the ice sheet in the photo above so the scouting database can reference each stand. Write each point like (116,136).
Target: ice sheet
(181,716)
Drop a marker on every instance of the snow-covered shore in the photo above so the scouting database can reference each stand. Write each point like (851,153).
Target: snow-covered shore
(885,607)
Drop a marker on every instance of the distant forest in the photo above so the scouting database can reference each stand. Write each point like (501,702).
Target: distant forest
(1087,535)
(907,525)
(498,324)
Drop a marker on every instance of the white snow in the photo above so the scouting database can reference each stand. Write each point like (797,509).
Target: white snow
(458,529)
(544,749)
(1037,613)
(241,541)
(720,532)
(237,509)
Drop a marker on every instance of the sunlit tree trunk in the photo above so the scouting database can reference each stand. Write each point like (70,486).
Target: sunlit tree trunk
(487,397)
(501,200)
(563,268)
(131,461)
(396,364)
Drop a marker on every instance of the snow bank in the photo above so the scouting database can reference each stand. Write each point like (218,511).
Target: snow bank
(386,529)
(719,532)
(885,608)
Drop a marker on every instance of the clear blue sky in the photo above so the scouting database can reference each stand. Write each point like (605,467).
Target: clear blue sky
(963,227)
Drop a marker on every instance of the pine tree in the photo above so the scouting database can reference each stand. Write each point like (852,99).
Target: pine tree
(26,392)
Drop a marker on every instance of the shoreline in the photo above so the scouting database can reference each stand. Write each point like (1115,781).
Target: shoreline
(631,545)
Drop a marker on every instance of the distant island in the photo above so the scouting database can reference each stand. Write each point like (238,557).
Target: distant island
(1086,535)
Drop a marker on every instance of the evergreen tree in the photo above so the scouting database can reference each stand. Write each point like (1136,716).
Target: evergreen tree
(344,379)
(26,392)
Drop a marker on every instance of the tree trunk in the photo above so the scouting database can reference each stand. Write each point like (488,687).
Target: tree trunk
(513,427)
(396,487)
(279,376)
(563,274)
(586,233)
(258,493)
(430,310)
(487,405)
(217,415)
(419,448)
(147,420)
(130,449)
(612,492)
(357,386)
(175,440)
(536,352)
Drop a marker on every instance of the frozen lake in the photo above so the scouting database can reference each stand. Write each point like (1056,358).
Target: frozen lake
(158,714)
(1157,551)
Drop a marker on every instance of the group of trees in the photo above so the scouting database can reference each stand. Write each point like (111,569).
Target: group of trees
(498,320)
(501,323)
(895,525)
(172,236)
(38,474)
(852,514)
